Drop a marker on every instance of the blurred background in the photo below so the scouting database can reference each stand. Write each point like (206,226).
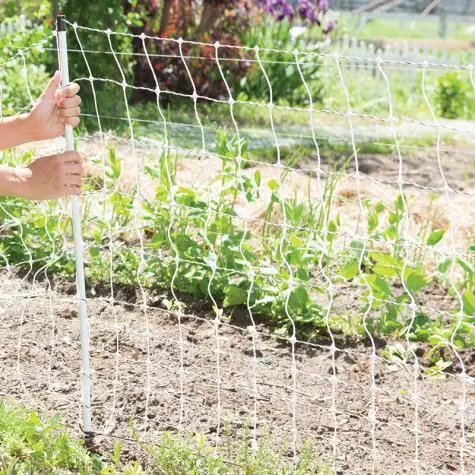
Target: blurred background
(405,33)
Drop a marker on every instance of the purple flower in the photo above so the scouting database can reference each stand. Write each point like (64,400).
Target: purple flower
(323,5)
(331,25)
(280,9)
(307,11)
(311,10)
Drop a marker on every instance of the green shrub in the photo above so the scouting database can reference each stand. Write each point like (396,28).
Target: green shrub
(286,81)
(452,97)
(30,444)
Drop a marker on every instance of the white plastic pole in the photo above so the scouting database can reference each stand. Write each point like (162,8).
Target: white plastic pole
(78,246)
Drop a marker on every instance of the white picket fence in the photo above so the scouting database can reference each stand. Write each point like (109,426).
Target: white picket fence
(408,50)
(17,24)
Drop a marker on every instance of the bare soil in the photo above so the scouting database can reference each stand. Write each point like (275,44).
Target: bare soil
(161,368)
(136,375)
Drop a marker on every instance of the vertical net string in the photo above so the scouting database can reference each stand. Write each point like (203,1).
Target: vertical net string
(166,149)
(252,328)
(212,258)
(327,278)
(293,337)
(357,176)
(413,305)
(448,192)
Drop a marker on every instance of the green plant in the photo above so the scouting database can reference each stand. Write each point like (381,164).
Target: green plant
(31,444)
(286,81)
(452,97)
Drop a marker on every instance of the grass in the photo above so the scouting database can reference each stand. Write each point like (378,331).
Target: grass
(418,28)
(30,443)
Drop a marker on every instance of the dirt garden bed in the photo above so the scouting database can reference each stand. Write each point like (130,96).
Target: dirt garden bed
(136,376)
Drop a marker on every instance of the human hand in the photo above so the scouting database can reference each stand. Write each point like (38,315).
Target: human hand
(55,108)
(50,177)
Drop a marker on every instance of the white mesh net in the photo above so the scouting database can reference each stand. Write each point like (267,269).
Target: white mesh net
(305,278)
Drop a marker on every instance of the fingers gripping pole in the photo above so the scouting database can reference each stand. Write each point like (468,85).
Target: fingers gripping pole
(78,246)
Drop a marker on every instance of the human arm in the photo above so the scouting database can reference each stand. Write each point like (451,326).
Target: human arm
(54,108)
(46,178)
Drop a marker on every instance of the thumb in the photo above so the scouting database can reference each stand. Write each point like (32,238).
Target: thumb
(52,86)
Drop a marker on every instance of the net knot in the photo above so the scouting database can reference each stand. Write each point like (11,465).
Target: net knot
(180,40)
(75,25)
(194,96)
(217,44)
(231,101)
(108,31)
(142,36)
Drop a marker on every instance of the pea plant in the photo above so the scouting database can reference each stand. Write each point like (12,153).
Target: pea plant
(198,242)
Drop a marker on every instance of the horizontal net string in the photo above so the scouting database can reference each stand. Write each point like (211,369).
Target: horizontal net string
(308,285)
(22,51)
(246,330)
(237,59)
(343,57)
(402,243)
(329,138)
(195,97)
(147,143)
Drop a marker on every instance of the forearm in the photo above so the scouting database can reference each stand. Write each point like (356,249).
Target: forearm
(12,181)
(15,131)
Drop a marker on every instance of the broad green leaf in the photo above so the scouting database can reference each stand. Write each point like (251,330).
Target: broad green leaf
(379,285)
(444,266)
(373,221)
(435,237)
(332,229)
(298,297)
(465,266)
(349,270)
(399,202)
(235,296)
(380,207)
(468,300)
(385,271)
(154,172)
(383,258)
(415,281)
(386,265)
